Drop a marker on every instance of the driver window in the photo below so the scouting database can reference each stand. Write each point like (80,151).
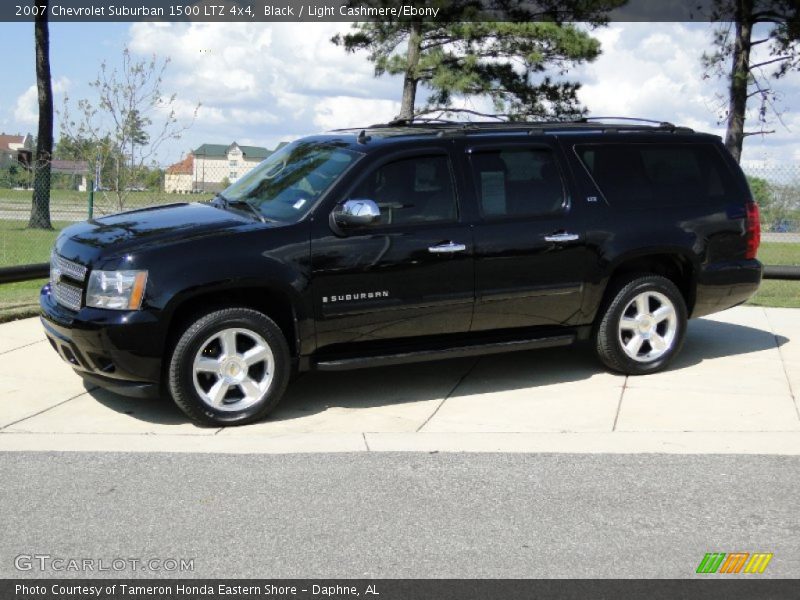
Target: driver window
(411,190)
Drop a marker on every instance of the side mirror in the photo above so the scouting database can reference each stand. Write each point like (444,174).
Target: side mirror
(356,213)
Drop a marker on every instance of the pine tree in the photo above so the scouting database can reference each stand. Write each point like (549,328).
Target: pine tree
(775,23)
(518,64)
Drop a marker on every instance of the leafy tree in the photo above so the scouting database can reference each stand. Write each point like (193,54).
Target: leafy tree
(14,175)
(153,178)
(759,187)
(40,204)
(128,121)
(775,24)
(518,65)
(94,152)
(135,131)
(779,202)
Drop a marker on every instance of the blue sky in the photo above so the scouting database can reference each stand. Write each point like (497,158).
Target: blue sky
(266,82)
(76,51)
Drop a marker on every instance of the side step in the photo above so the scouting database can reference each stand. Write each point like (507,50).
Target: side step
(360,362)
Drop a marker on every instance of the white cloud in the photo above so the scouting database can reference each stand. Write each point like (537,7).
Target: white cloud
(284,80)
(653,70)
(350,111)
(26,109)
(267,82)
(649,70)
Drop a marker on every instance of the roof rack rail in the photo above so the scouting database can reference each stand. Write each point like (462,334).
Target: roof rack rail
(417,120)
(630,119)
(443,127)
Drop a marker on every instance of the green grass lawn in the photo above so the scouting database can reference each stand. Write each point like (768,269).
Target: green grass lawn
(776,253)
(20,245)
(778,293)
(74,206)
(76,198)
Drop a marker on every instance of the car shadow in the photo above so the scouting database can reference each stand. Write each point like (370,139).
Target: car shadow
(316,392)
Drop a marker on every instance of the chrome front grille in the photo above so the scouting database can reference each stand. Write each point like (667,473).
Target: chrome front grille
(70,269)
(67,294)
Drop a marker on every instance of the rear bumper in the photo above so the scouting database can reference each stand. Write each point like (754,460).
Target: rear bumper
(726,284)
(119,351)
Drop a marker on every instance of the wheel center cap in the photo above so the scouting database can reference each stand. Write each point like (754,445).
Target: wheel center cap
(645,324)
(233,370)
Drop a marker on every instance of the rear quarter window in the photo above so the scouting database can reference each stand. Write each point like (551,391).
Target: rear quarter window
(637,176)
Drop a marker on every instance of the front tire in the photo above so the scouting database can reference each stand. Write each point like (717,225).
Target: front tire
(643,326)
(230,367)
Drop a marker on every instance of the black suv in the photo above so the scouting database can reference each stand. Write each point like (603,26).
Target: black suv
(408,242)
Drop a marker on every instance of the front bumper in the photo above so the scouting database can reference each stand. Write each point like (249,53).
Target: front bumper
(121,351)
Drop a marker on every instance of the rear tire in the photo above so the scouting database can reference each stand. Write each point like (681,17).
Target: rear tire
(642,326)
(230,367)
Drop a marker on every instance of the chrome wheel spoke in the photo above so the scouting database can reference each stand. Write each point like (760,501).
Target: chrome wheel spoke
(228,340)
(250,388)
(658,343)
(634,345)
(666,311)
(642,305)
(217,392)
(255,355)
(628,324)
(204,364)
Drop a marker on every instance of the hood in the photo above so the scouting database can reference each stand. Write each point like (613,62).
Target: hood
(137,229)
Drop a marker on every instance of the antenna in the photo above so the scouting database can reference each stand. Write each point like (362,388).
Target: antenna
(363,138)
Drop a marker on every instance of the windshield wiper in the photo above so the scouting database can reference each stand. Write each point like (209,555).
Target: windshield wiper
(226,203)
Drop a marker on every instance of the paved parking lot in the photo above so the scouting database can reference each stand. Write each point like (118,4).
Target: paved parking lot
(734,389)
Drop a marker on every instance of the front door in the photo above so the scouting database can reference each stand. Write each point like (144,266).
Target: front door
(530,252)
(409,274)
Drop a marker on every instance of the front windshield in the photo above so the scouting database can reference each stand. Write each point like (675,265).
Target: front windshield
(286,185)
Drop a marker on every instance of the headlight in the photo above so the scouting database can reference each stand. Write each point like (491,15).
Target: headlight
(119,290)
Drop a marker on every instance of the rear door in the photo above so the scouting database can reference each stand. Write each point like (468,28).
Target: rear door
(530,250)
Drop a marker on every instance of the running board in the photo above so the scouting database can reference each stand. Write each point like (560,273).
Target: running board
(361,362)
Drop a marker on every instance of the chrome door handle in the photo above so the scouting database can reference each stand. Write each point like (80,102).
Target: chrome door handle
(561,237)
(447,248)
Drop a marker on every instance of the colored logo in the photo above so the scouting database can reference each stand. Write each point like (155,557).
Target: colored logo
(734,562)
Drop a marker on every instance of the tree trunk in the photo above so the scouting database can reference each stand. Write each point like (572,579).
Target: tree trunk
(40,205)
(410,81)
(739,78)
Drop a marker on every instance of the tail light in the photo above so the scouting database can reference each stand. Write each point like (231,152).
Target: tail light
(752,230)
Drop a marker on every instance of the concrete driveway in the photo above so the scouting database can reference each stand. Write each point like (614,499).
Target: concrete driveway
(734,389)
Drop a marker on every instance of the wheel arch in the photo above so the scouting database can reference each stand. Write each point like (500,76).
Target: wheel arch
(676,265)
(278,303)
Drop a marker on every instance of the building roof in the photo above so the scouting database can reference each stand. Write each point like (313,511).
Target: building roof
(255,152)
(6,142)
(184,167)
(221,151)
(69,167)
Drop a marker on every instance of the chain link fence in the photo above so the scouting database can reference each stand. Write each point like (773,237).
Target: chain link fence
(776,188)
(76,196)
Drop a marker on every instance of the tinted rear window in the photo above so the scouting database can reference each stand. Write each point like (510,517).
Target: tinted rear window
(646,175)
(517,182)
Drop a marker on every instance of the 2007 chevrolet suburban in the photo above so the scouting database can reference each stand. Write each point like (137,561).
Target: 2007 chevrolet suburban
(407,242)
